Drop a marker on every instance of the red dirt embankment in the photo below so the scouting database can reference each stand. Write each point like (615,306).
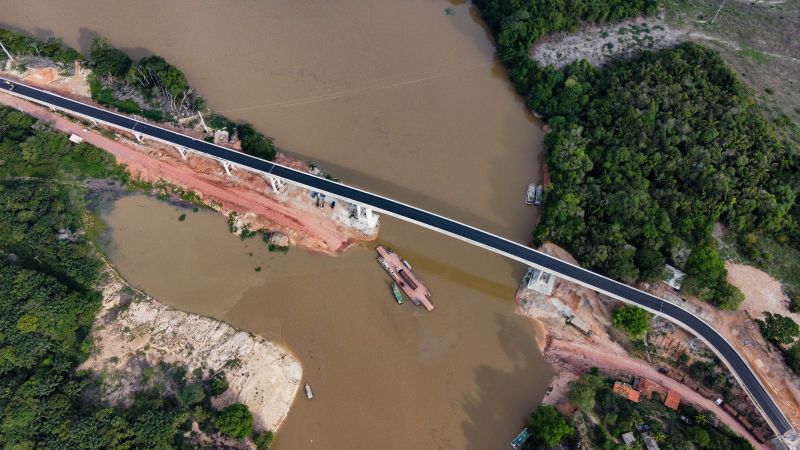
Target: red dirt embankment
(248,194)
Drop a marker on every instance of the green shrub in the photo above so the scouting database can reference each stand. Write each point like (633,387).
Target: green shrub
(632,320)
(548,426)
(263,440)
(235,421)
(778,329)
(219,384)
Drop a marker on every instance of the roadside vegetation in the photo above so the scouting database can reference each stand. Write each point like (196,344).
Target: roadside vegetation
(634,321)
(27,48)
(150,87)
(160,92)
(783,332)
(49,269)
(647,154)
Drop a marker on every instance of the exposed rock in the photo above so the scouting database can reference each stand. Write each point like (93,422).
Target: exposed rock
(279,239)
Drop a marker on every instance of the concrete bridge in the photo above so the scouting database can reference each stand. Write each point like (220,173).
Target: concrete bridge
(369,203)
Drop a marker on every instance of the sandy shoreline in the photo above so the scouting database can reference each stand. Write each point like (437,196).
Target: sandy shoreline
(133,331)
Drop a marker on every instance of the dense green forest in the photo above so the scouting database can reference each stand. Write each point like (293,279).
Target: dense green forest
(647,154)
(48,271)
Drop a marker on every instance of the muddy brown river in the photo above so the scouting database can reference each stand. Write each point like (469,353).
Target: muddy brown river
(397,97)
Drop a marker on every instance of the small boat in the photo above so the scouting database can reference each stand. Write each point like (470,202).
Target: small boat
(539,197)
(398,295)
(405,263)
(521,438)
(309,394)
(530,194)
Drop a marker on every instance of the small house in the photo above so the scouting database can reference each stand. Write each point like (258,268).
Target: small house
(673,400)
(628,438)
(627,391)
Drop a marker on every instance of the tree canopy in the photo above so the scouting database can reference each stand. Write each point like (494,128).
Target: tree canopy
(583,390)
(548,426)
(19,44)
(48,302)
(778,329)
(632,320)
(235,421)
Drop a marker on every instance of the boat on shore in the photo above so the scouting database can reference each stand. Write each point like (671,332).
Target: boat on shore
(530,194)
(539,197)
(521,438)
(398,294)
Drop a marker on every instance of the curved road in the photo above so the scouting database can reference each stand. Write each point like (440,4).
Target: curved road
(513,250)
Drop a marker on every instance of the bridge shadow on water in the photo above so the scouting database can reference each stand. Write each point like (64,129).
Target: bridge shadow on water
(399,192)
(519,389)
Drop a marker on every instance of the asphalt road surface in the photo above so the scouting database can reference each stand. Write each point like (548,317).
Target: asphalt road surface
(441,224)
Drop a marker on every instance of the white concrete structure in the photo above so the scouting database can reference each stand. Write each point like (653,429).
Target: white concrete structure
(538,280)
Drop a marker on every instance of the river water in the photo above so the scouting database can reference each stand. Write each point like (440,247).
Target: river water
(397,97)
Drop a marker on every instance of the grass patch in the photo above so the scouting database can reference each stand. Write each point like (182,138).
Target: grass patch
(755,55)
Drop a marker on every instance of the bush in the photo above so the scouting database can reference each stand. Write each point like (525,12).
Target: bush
(793,358)
(632,320)
(263,440)
(107,60)
(778,329)
(548,426)
(255,143)
(235,421)
(219,384)
(192,394)
(582,392)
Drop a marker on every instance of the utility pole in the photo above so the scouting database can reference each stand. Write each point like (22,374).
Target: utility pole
(720,9)
(8,54)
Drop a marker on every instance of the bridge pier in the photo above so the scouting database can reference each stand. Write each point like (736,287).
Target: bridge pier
(182,151)
(276,183)
(227,166)
(372,219)
(367,215)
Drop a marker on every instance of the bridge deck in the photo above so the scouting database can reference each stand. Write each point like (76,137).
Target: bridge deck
(526,255)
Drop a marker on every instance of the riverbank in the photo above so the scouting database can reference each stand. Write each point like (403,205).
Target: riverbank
(291,211)
(133,331)
(572,353)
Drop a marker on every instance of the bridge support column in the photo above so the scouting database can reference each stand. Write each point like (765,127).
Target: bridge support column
(227,166)
(182,151)
(277,183)
(372,219)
